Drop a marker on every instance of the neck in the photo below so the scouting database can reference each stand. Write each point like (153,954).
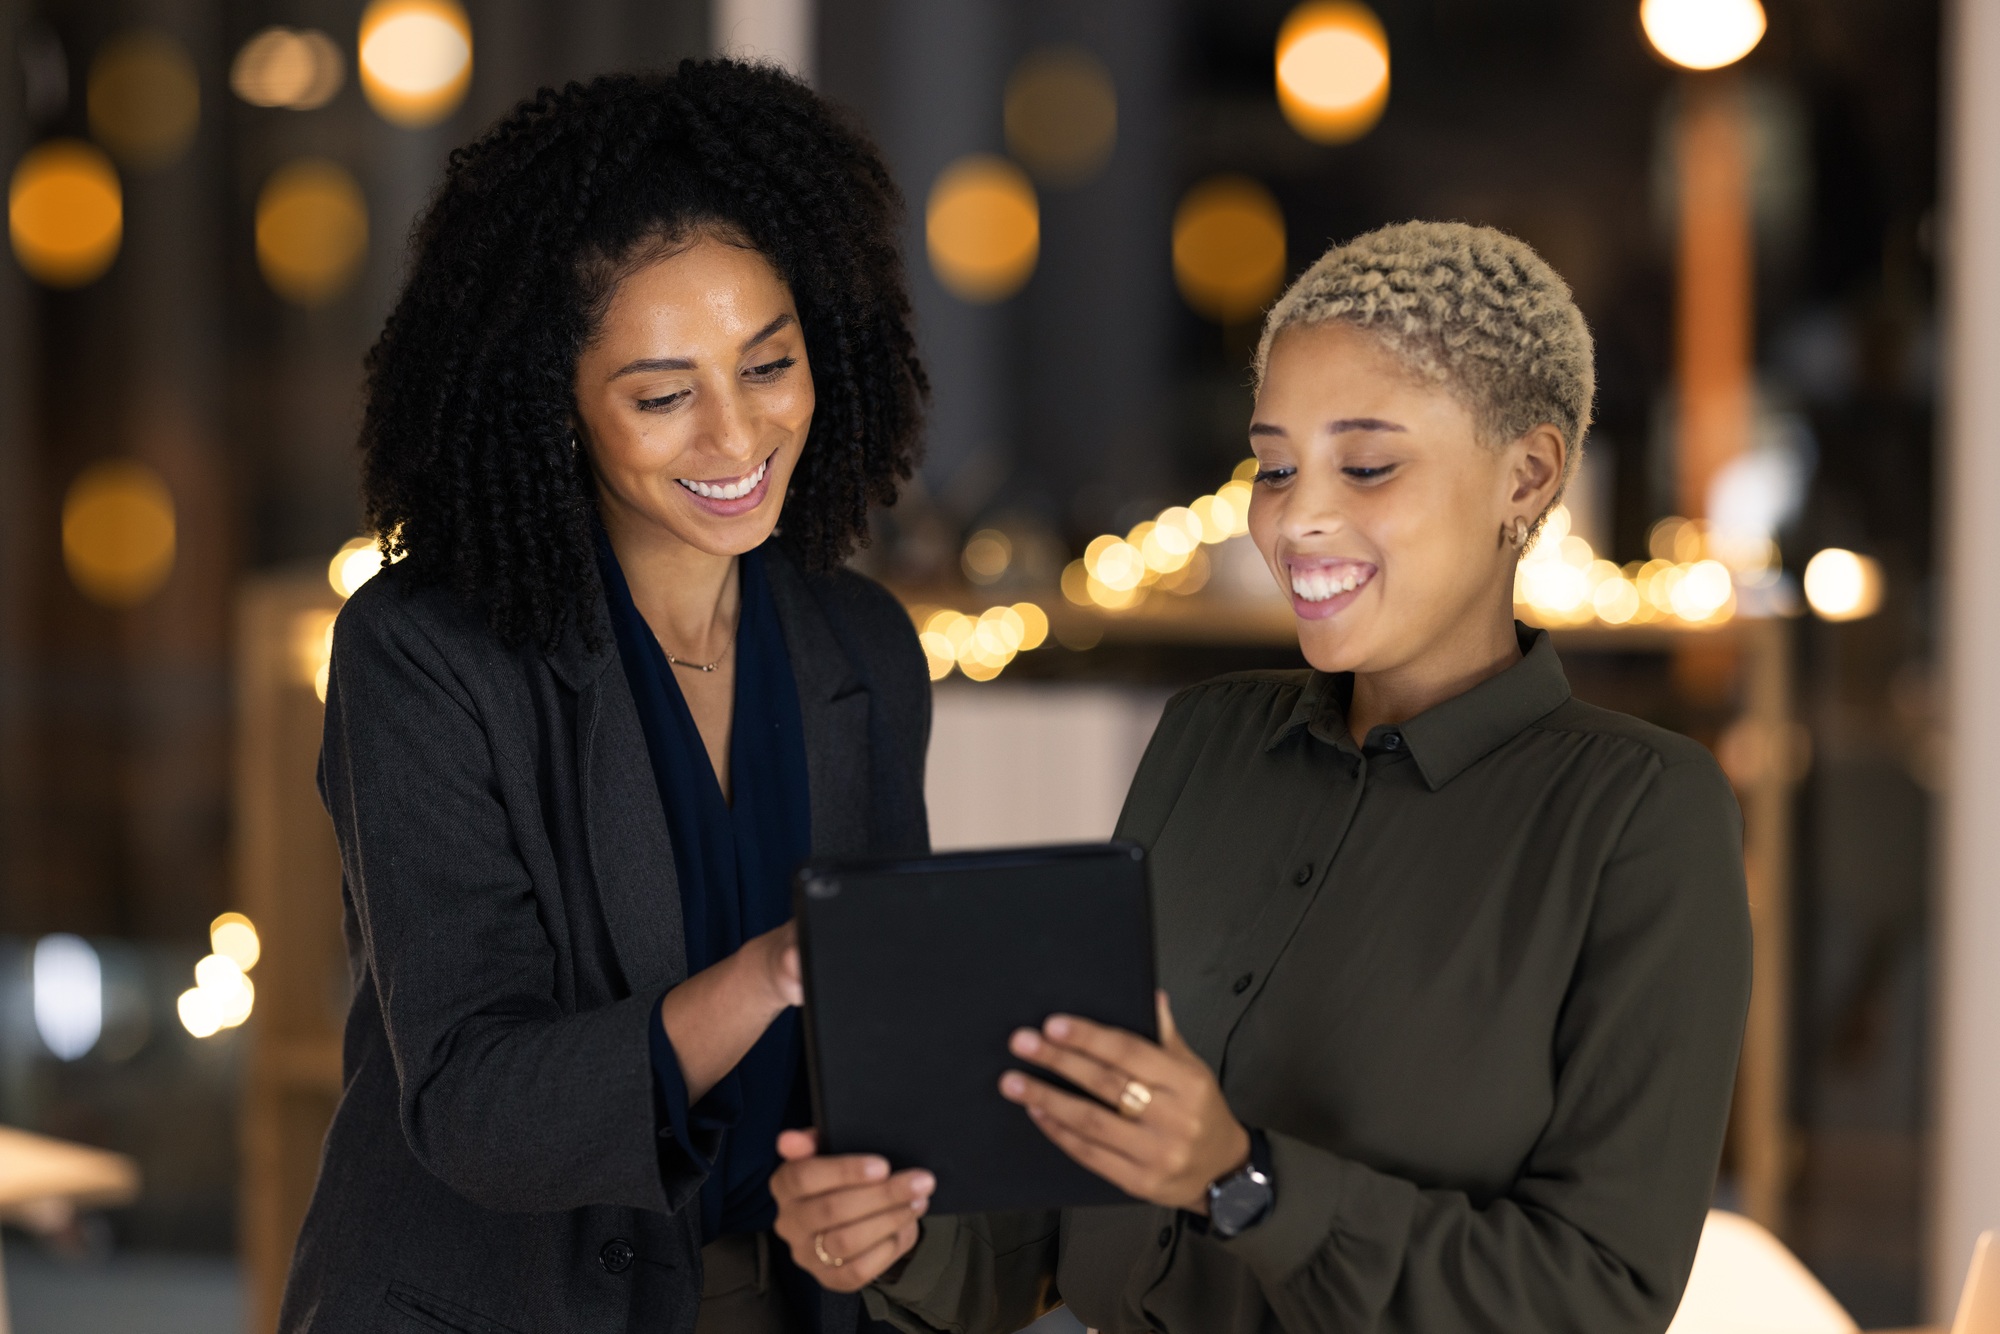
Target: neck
(1477,648)
(691,598)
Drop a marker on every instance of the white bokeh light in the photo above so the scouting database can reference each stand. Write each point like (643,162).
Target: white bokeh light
(69,995)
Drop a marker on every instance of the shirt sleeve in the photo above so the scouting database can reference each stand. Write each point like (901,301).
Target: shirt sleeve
(1598,1232)
(974,1274)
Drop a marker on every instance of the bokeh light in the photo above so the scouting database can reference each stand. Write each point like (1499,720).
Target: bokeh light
(200,1012)
(1703,34)
(222,997)
(983,228)
(979,647)
(228,996)
(1333,71)
(312,231)
(1842,585)
(118,533)
(288,67)
(1034,625)
(143,98)
(312,649)
(1561,581)
(358,560)
(1229,248)
(234,937)
(1161,554)
(987,555)
(65,213)
(1062,114)
(416,59)
(67,985)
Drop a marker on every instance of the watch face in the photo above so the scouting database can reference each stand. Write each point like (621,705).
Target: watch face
(1238,1203)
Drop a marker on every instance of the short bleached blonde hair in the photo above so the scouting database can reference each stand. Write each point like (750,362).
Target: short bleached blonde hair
(1471,309)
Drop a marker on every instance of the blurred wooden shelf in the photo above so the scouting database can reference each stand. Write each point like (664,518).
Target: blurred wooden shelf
(287,870)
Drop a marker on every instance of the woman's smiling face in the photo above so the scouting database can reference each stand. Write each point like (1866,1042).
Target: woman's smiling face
(1377,507)
(695,396)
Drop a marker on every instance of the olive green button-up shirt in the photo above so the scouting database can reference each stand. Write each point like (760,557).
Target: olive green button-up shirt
(1482,982)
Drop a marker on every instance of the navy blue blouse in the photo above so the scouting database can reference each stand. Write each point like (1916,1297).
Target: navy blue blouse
(735,860)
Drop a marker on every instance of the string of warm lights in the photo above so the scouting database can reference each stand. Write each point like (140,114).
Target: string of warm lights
(981,646)
(1561,581)
(1164,552)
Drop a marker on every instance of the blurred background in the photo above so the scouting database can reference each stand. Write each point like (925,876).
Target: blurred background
(207,210)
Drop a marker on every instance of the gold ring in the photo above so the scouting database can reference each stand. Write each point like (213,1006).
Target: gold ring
(819,1249)
(1135,1098)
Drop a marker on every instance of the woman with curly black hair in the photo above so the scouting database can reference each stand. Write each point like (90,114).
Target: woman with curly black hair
(650,368)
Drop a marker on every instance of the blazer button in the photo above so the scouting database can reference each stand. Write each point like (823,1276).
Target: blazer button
(1241,984)
(616,1257)
(1303,876)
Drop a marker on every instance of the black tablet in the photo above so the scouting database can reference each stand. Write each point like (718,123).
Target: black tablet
(917,971)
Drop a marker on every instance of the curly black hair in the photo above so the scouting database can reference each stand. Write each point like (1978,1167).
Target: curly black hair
(468,466)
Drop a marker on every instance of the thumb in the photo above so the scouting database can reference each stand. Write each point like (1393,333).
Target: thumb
(791,982)
(1170,1036)
(794,1145)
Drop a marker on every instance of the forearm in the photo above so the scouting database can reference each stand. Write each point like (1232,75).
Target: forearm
(716,1016)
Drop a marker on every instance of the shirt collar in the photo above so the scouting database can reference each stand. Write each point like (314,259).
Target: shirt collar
(1447,739)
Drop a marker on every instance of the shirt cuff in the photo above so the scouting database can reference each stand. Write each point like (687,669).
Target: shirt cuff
(1309,1185)
(888,1301)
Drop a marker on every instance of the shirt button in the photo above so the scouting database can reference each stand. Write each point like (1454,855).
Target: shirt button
(616,1257)
(1166,1237)
(1241,984)
(1303,876)
(1393,741)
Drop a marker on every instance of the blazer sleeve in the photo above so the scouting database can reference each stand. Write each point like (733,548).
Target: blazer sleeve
(876,633)
(504,1095)
(1598,1233)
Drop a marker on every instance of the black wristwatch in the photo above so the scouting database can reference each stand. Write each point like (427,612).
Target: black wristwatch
(1243,1199)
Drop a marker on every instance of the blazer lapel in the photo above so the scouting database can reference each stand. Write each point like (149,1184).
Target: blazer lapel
(834,706)
(625,831)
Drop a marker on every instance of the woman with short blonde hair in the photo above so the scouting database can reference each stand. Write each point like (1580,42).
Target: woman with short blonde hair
(1460,963)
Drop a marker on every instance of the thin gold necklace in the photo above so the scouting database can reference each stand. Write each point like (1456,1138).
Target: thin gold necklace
(699,667)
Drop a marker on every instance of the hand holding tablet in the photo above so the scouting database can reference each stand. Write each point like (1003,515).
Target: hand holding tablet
(918,973)
(902,1054)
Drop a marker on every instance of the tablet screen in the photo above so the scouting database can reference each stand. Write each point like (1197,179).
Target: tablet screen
(917,971)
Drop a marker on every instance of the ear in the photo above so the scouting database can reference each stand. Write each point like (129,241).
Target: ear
(1534,470)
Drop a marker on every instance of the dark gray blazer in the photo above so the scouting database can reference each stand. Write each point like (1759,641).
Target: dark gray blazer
(512,918)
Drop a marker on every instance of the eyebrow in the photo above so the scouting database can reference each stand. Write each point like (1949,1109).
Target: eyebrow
(648,365)
(1341,427)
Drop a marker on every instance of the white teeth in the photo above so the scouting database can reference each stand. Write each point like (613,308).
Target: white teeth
(1318,585)
(735,490)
